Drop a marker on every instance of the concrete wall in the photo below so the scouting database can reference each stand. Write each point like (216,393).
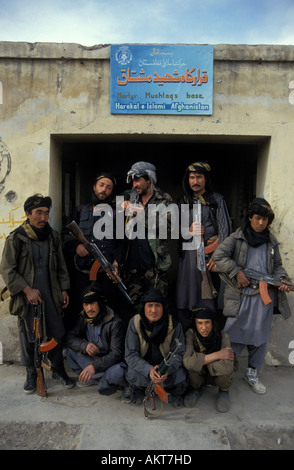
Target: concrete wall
(53,93)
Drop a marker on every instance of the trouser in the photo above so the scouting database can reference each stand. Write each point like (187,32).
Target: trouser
(109,380)
(27,349)
(203,377)
(256,354)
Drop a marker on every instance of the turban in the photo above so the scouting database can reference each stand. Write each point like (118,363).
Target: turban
(33,202)
(203,313)
(201,167)
(261,207)
(153,295)
(105,174)
(144,169)
(90,295)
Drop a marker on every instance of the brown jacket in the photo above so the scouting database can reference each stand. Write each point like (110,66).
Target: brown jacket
(194,360)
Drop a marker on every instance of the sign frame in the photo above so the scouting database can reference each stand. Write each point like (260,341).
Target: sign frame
(161,79)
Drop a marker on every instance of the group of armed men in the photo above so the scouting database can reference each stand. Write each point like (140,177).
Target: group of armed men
(115,344)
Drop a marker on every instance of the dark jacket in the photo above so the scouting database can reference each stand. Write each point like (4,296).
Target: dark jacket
(17,269)
(136,347)
(110,247)
(112,337)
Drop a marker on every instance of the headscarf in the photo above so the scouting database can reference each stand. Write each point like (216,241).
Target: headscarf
(106,174)
(89,295)
(35,201)
(154,333)
(261,207)
(213,341)
(144,169)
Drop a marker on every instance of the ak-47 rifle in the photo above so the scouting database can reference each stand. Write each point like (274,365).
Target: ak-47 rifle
(41,348)
(207,288)
(261,281)
(99,257)
(153,389)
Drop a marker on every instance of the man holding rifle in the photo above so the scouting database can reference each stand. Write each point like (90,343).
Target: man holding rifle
(83,268)
(196,283)
(35,273)
(252,247)
(151,335)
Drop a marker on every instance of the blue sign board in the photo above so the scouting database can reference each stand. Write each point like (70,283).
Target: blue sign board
(161,79)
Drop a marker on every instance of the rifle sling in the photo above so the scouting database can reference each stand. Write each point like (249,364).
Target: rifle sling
(234,288)
(147,413)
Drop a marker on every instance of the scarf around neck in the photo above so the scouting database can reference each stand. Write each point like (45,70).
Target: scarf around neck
(253,238)
(212,342)
(35,233)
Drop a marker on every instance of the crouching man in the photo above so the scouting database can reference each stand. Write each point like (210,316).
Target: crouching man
(209,359)
(95,345)
(150,337)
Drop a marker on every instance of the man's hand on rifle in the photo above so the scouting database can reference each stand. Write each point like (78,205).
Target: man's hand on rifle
(33,295)
(196,229)
(155,375)
(284,288)
(92,349)
(210,265)
(81,250)
(242,280)
(86,374)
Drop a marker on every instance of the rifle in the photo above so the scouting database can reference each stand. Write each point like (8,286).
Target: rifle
(153,389)
(207,288)
(40,349)
(99,257)
(262,280)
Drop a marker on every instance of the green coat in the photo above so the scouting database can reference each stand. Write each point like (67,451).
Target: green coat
(159,247)
(17,270)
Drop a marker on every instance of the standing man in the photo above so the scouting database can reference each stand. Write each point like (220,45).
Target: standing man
(95,345)
(215,226)
(35,272)
(148,259)
(251,246)
(78,259)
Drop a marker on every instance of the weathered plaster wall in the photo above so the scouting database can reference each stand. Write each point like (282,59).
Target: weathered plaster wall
(50,92)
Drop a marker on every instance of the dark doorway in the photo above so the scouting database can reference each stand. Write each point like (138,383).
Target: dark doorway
(233,168)
(233,171)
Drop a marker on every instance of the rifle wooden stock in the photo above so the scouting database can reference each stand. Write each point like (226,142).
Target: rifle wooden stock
(40,349)
(41,389)
(289,284)
(38,328)
(77,232)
